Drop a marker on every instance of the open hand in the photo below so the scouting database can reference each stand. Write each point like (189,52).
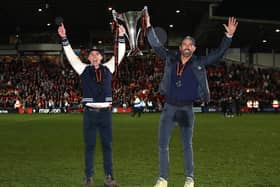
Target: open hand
(231,26)
(61,31)
(121,30)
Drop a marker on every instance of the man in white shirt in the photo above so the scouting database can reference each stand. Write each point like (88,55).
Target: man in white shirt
(97,100)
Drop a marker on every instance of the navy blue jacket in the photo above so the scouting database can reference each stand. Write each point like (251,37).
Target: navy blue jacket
(198,64)
(94,91)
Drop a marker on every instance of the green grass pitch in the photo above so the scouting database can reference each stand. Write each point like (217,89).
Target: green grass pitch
(47,151)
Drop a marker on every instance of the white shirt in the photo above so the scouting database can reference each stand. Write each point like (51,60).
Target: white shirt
(79,67)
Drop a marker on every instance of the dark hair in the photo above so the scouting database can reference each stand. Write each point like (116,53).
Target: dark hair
(190,38)
(95,48)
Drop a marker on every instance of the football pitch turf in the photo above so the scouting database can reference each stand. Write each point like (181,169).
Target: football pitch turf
(47,151)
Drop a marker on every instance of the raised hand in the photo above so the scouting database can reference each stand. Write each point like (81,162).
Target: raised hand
(61,31)
(121,30)
(147,18)
(231,26)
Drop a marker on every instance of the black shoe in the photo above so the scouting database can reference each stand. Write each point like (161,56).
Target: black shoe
(88,182)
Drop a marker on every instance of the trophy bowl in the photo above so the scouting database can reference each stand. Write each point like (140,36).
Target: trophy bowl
(130,20)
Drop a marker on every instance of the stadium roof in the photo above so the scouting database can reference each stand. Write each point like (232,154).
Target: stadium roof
(202,19)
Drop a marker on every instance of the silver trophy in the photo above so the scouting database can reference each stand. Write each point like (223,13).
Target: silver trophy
(130,20)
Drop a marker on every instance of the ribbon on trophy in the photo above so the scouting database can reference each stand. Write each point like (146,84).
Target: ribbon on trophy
(115,29)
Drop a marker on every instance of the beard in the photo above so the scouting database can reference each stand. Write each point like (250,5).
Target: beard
(186,53)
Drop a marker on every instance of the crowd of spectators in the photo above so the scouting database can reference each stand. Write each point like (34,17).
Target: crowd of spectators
(38,85)
(238,81)
(54,85)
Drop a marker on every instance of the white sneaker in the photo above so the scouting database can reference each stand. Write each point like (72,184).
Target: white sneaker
(109,182)
(161,182)
(189,182)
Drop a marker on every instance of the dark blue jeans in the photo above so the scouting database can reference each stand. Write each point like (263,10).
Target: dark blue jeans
(185,117)
(97,121)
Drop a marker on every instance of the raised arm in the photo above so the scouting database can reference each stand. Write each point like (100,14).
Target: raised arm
(73,59)
(218,53)
(121,46)
(231,26)
(153,40)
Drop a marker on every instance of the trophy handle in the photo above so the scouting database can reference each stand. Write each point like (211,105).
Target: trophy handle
(117,15)
(114,14)
(137,37)
(145,10)
(126,35)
